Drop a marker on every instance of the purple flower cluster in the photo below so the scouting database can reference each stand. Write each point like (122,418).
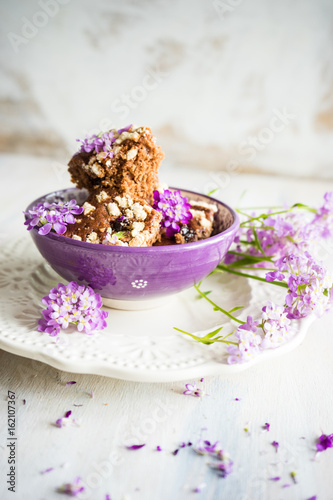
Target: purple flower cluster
(309,285)
(221,461)
(283,241)
(296,230)
(52,216)
(248,343)
(72,304)
(275,329)
(174,208)
(102,142)
(276,326)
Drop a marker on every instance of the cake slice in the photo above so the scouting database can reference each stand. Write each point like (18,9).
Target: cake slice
(125,160)
(200,226)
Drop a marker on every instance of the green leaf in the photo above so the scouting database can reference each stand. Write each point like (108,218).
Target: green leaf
(236,309)
(204,293)
(216,307)
(213,191)
(257,240)
(210,338)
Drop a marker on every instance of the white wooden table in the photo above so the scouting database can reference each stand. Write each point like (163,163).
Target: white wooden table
(293,393)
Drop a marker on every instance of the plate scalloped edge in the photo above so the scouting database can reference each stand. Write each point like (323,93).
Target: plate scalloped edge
(199,360)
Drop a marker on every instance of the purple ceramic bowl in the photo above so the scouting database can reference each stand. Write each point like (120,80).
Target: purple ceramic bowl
(136,277)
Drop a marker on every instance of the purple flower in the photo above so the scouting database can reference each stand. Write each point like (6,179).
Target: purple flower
(276,445)
(174,208)
(324,441)
(277,478)
(276,326)
(250,325)
(193,390)
(52,216)
(274,275)
(103,142)
(266,426)
(248,345)
(72,489)
(158,448)
(72,304)
(125,129)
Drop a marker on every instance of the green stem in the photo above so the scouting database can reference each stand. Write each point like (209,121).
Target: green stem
(208,342)
(255,258)
(222,268)
(218,307)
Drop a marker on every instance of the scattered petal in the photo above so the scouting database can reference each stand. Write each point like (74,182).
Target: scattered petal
(276,445)
(199,488)
(50,469)
(324,441)
(72,489)
(135,446)
(71,383)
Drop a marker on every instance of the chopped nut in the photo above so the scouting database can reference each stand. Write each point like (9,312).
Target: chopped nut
(101,155)
(137,228)
(88,208)
(141,239)
(122,201)
(75,237)
(139,212)
(97,170)
(92,238)
(102,196)
(131,154)
(129,213)
(113,209)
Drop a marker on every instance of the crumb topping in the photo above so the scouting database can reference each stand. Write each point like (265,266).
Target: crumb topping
(87,208)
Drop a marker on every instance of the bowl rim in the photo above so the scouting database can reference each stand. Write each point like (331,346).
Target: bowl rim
(163,248)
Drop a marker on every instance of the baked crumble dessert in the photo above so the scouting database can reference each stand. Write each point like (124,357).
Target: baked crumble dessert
(126,205)
(111,219)
(125,160)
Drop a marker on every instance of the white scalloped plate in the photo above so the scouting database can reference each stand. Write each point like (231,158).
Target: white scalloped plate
(137,345)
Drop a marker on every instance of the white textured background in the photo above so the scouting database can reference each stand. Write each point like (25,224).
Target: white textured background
(209,77)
